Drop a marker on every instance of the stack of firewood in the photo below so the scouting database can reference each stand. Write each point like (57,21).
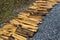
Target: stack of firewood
(26,24)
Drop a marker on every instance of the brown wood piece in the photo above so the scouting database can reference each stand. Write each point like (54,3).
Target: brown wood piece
(28,27)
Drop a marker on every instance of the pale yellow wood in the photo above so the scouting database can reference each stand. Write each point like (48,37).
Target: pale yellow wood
(13,21)
(24,14)
(4,32)
(40,1)
(4,37)
(10,27)
(33,23)
(1,31)
(35,8)
(41,5)
(29,10)
(19,37)
(52,2)
(29,27)
(37,19)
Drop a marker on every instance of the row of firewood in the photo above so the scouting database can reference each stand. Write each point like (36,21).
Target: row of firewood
(26,24)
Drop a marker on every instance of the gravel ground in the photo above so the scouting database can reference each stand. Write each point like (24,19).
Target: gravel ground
(50,28)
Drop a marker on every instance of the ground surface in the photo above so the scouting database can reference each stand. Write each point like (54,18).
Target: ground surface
(50,29)
(8,8)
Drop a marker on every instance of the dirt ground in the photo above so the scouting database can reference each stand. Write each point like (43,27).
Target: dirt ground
(7,8)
